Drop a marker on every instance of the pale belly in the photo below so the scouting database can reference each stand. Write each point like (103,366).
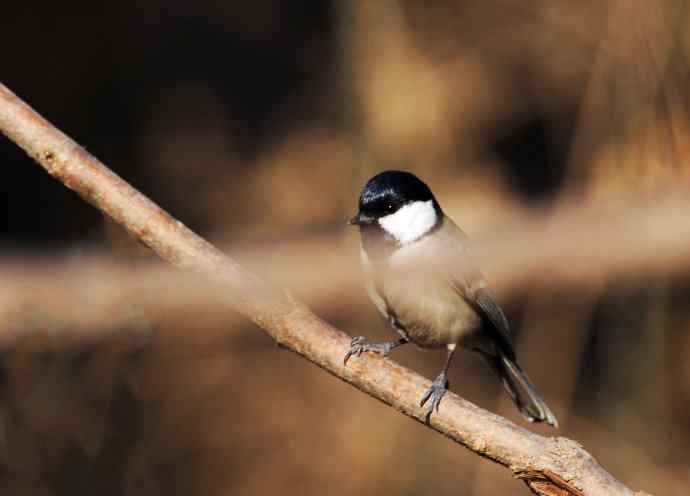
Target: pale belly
(433,314)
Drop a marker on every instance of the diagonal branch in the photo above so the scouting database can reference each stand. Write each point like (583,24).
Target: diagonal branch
(547,465)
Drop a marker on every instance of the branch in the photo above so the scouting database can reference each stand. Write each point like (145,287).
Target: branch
(548,465)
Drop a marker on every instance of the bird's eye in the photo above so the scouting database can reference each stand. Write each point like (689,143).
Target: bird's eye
(389,207)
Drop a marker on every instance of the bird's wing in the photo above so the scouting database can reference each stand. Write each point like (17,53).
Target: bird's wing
(469,282)
(483,299)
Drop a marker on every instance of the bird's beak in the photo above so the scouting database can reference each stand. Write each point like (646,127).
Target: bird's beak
(360,219)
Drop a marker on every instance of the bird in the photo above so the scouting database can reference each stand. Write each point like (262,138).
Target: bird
(421,276)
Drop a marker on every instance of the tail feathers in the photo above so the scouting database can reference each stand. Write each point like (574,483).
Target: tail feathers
(521,390)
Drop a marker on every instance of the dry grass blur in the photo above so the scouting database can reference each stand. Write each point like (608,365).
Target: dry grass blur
(510,113)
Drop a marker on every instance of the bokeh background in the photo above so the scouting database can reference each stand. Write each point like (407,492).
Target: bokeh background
(256,124)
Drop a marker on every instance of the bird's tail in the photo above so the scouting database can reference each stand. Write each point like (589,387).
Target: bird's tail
(520,389)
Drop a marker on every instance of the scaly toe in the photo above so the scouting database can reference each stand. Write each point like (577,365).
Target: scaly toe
(435,393)
(357,346)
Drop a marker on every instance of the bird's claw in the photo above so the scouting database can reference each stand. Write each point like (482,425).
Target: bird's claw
(359,344)
(435,393)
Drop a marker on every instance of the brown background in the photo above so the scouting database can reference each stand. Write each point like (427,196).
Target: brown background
(256,123)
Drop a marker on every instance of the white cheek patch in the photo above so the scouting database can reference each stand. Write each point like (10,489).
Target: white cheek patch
(411,222)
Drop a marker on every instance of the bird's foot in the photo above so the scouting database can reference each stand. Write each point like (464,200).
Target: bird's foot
(359,345)
(435,393)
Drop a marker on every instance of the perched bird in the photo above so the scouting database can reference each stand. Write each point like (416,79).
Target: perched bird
(422,279)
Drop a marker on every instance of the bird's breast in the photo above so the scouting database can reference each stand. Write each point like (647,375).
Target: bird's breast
(430,310)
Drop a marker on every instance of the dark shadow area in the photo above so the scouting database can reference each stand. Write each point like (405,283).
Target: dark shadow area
(535,157)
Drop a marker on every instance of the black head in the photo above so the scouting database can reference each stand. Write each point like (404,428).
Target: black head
(387,192)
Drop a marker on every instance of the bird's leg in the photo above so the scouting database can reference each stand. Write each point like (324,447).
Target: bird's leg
(360,344)
(439,386)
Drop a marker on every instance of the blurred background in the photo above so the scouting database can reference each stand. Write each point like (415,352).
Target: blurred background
(256,124)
